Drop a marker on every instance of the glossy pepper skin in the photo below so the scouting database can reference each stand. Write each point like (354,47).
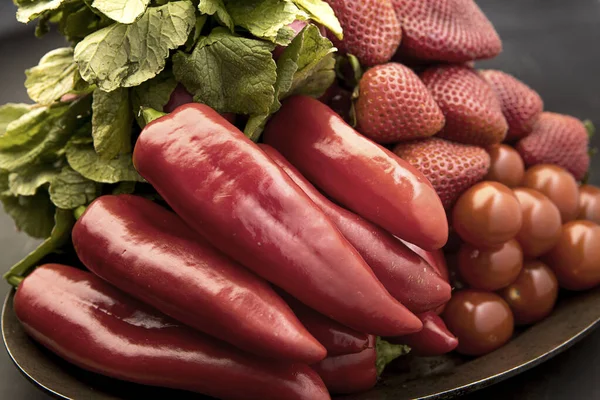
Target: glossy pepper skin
(230,192)
(335,337)
(151,254)
(358,173)
(95,326)
(406,275)
(349,373)
(433,340)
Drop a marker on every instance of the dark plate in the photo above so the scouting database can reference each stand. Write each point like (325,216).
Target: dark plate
(409,378)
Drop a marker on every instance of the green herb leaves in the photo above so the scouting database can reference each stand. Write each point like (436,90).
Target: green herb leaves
(112,118)
(55,76)
(230,73)
(123,55)
(123,11)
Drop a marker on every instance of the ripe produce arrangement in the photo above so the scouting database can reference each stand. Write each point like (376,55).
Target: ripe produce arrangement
(274,199)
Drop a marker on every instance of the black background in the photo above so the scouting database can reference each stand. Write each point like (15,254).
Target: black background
(550,44)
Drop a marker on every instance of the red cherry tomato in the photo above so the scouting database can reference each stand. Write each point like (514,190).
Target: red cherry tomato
(487,215)
(490,269)
(506,166)
(533,295)
(541,222)
(482,321)
(576,257)
(589,203)
(558,185)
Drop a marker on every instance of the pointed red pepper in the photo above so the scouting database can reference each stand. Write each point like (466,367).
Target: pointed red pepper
(89,323)
(358,173)
(433,340)
(407,276)
(233,194)
(335,337)
(151,254)
(350,373)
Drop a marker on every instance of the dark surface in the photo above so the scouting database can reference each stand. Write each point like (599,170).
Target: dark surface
(550,44)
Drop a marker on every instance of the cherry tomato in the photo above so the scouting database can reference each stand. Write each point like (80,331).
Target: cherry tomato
(589,203)
(487,214)
(558,184)
(490,269)
(533,295)
(482,321)
(506,166)
(576,257)
(541,222)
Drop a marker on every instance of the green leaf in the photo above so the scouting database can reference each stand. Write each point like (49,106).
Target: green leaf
(387,352)
(111,123)
(264,18)
(27,180)
(83,159)
(307,65)
(28,10)
(40,135)
(123,11)
(229,73)
(59,236)
(126,55)
(69,190)
(79,22)
(217,8)
(11,112)
(32,214)
(35,135)
(193,38)
(124,188)
(589,126)
(255,126)
(154,93)
(54,76)
(322,13)
(4,185)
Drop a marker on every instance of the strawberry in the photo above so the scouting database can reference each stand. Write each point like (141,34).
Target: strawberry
(394,105)
(521,105)
(446,30)
(557,139)
(472,110)
(372,31)
(451,167)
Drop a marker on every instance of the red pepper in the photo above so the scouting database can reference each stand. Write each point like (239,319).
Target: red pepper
(93,325)
(435,339)
(358,173)
(406,275)
(435,259)
(151,254)
(229,191)
(350,373)
(335,337)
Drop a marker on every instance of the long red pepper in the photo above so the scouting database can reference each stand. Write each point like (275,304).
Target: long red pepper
(93,325)
(349,373)
(335,337)
(229,191)
(433,340)
(151,254)
(358,173)
(406,275)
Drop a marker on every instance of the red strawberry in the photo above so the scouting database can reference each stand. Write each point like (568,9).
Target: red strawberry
(395,105)
(446,30)
(472,110)
(451,167)
(521,105)
(372,31)
(557,139)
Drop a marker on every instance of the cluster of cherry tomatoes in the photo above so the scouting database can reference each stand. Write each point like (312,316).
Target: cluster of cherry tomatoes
(522,234)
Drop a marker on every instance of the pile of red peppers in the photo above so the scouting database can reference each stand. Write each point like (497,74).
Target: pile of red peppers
(271,274)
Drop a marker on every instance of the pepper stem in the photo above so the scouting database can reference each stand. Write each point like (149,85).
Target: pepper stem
(150,114)
(14,280)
